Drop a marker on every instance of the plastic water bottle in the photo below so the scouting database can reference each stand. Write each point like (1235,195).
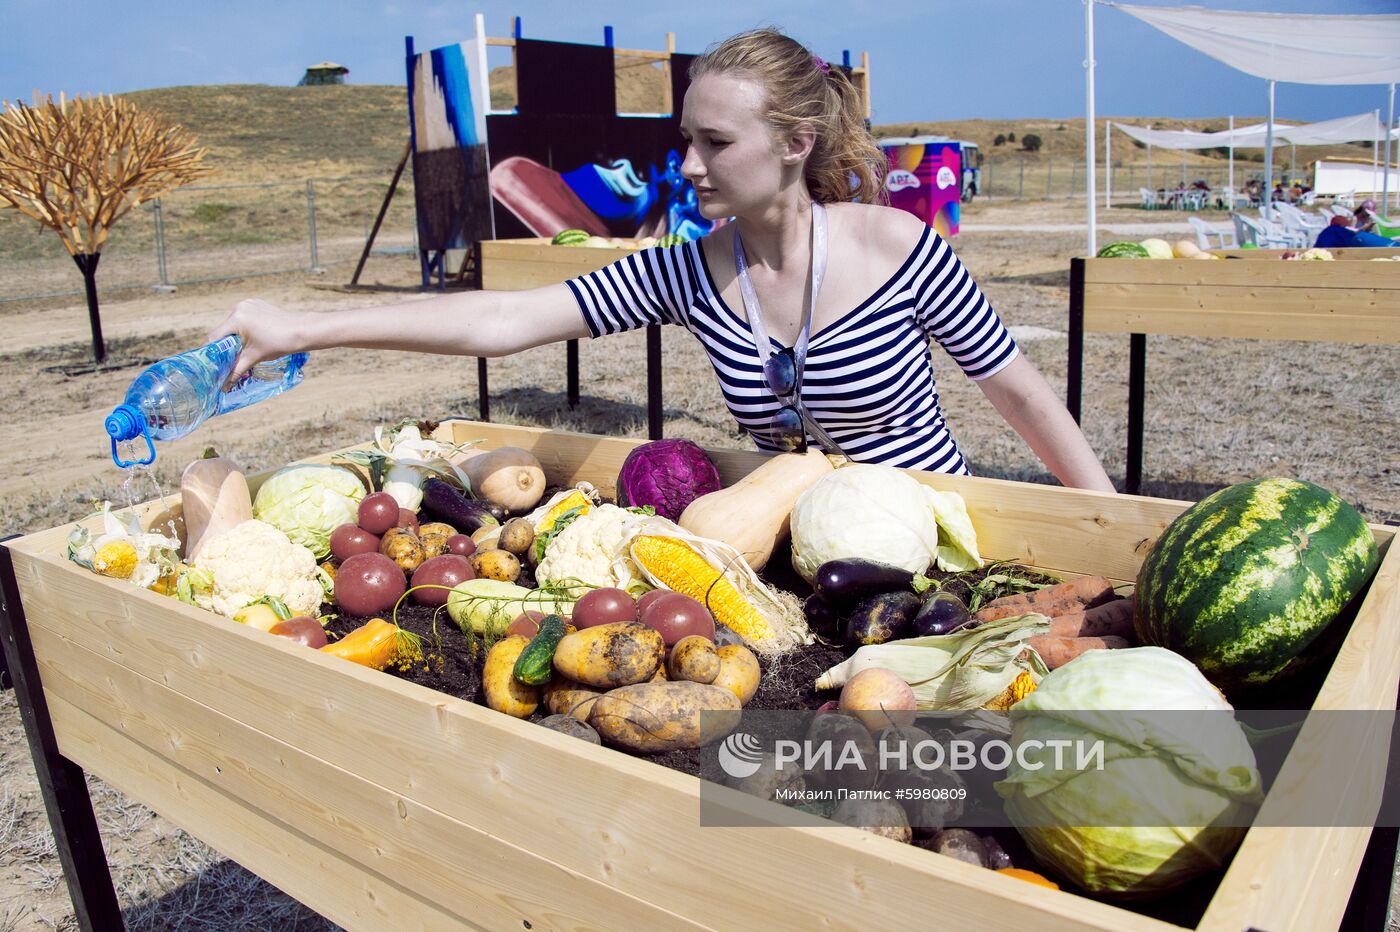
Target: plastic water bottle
(174,396)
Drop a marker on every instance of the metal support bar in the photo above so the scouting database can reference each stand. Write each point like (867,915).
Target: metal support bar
(654,412)
(62,782)
(483,393)
(571,370)
(1074,378)
(311,226)
(163,285)
(379,219)
(1137,393)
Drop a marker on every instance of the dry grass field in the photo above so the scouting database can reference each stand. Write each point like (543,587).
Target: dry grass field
(1218,412)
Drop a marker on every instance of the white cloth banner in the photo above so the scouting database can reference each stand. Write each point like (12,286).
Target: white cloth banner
(1289,47)
(1364,127)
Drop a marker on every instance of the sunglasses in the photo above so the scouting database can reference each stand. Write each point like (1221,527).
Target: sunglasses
(791,424)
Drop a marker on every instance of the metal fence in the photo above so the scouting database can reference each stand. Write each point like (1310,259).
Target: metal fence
(1032,178)
(208,233)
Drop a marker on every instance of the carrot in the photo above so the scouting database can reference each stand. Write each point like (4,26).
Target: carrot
(1062,599)
(1111,619)
(1058,651)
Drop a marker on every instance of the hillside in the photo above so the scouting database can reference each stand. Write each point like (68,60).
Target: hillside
(261,132)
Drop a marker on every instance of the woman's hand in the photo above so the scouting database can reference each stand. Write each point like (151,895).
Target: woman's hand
(267,332)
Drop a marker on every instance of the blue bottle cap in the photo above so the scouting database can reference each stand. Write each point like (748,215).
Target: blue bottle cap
(126,423)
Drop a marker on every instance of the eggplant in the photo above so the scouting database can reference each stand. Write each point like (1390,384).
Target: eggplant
(881,618)
(822,617)
(941,613)
(852,579)
(444,503)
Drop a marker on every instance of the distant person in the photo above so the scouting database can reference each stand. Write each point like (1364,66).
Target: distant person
(1337,235)
(1364,220)
(815,305)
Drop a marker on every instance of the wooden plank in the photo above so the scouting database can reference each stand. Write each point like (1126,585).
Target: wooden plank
(1246,319)
(247,834)
(456,868)
(1300,877)
(1058,529)
(514,265)
(1193,273)
(1363,253)
(426,746)
(1374,304)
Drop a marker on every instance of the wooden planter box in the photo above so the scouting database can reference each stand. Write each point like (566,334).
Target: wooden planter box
(517,264)
(385,805)
(1345,301)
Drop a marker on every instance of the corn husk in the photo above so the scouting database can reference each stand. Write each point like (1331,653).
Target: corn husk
(954,672)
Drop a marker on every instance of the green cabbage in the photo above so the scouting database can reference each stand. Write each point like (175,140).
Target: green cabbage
(308,502)
(1166,777)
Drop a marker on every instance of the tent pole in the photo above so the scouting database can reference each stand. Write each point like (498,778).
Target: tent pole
(1376,156)
(1089,123)
(1107,167)
(1269,158)
(1149,162)
(1389,130)
(1232,161)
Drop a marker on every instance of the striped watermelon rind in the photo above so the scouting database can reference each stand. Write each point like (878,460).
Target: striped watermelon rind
(569,237)
(1245,582)
(1123,251)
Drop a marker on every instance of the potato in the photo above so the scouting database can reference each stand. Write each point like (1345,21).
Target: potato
(404,548)
(769,779)
(693,658)
(565,697)
(738,671)
(619,654)
(961,844)
(879,698)
(496,564)
(434,537)
(878,816)
(853,749)
(648,718)
(504,692)
(574,728)
(517,536)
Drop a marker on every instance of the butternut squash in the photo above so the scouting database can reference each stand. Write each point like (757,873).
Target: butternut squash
(214,496)
(752,514)
(507,476)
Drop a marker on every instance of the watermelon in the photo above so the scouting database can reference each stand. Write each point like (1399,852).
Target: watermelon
(672,239)
(1245,582)
(1123,251)
(570,238)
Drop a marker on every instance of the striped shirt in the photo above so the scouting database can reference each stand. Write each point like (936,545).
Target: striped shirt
(869,375)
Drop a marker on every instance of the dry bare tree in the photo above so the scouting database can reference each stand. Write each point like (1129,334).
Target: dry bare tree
(77,166)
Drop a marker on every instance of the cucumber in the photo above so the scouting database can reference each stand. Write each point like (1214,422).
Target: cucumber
(535,665)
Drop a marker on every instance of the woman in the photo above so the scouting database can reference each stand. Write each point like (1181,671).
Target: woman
(836,349)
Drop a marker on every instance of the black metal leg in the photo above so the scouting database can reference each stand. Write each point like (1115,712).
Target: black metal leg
(654,413)
(483,391)
(571,366)
(63,784)
(1137,392)
(1074,372)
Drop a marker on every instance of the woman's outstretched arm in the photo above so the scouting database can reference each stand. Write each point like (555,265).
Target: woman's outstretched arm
(475,323)
(1023,398)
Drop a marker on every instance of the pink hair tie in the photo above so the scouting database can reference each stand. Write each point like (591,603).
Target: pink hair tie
(822,66)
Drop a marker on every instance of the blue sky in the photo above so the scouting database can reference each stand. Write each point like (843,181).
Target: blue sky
(930,60)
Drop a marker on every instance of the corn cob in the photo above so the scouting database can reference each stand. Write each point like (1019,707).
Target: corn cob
(676,564)
(116,559)
(569,502)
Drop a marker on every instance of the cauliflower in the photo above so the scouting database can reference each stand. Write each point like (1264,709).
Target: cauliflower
(592,549)
(251,560)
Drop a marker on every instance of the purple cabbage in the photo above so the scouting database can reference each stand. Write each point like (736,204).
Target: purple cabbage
(667,475)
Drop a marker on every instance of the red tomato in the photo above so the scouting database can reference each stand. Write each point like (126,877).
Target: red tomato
(677,616)
(603,607)
(378,512)
(446,569)
(648,597)
(303,629)
(350,539)
(461,544)
(407,519)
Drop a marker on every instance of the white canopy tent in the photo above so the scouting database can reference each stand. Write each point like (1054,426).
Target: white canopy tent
(1296,48)
(1361,127)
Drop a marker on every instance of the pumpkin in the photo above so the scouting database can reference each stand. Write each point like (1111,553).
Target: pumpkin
(752,514)
(507,476)
(214,497)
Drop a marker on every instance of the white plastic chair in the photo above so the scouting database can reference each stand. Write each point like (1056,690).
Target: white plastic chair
(1339,211)
(1300,222)
(1224,239)
(1346,200)
(1265,233)
(1149,198)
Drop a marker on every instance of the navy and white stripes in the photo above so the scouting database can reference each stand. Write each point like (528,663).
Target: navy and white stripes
(869,375)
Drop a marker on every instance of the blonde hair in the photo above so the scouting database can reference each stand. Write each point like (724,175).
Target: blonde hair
(845,164)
